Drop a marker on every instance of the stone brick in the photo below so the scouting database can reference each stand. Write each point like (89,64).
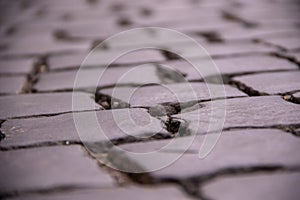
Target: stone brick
(246,112)
(176,14)
(16,66)
(235,65)
(44,45)
(43,104)
(269,186)
(235,149)
(143,38)
(265,82)
(50,167)
(12,85)
(178,92)
(101,59)
(61,128)
(92,30)
(220,49)
(194,28)
(271,31)
(140,75)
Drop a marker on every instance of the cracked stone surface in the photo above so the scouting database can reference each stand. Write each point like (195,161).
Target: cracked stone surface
(246,112)
(180,92)
(254,44)
(284,186)
(235,149)
(47,167)
(36,131)
(144,74)
(285,82)
(43,104)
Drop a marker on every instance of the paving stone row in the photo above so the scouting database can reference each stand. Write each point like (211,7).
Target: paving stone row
(44,104)
(255,46)
(33,131)
(235,65)
(45,44)
(246,112)
(36,131)
(235,149)
(103,78)
(285,43)
(263,83)
(177,92)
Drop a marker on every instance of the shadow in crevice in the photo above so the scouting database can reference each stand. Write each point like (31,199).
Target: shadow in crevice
(108,102)
(2,135)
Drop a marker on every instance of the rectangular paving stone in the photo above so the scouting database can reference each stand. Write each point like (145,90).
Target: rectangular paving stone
(257,186)
(234,65)
(192,24)
(221,49)
(115,124)
(89,31)
(163,15)
(264,82)
(253,63)
(12,85)
(50,167)
(235,149)
(244,112)
(102,58)
(178,92)
(235,48)
(16,66)
(44,104)
(266,15)
(143,38)
(140,75)
(269,31)
(43,45)
(290,43)
(126,193)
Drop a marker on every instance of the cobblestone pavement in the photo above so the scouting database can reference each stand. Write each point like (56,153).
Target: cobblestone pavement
(255,45)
